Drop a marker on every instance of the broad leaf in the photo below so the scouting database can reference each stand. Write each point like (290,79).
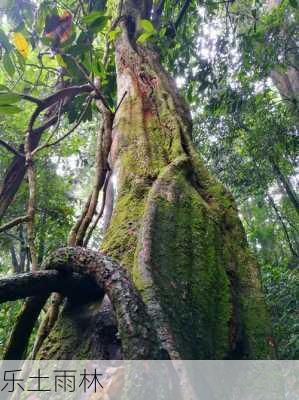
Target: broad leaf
(89,19)
(21,44)
(99,24)
(4,41)
(113,34)
(147,25)
(8,109)
(9,98)
(144,37)
(8,65)
(60,61)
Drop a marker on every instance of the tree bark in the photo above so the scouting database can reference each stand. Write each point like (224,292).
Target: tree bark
(286,184)
(287,82)
(283,225)
(45,282)
(174,227)
(18,341)
(138,337)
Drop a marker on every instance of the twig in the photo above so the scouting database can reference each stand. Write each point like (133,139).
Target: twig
(14,222)
(56,127)
(54,98)
(31,201)
(121,100)
(67,133)
(100,214)
(11,148)
(158,13)
(99,95)
(182,13)
(30,98)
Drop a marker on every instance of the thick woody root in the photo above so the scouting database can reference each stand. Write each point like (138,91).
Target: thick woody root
(90,271)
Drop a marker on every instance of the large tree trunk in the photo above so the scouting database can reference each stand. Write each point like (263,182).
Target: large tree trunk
(174,227)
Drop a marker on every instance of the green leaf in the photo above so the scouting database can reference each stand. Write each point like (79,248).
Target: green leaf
(147,25)
(8,109)
(144,37)
(99,24)
(4,89)
(234,7)
(72,68)
(89,19)
(9,98)
(4,41)
(113,34)
(98,69)
(47,41)
(60,61)
(162,32)
(78,50)
(8,64)
(87,62)
(293,3)
(20,59)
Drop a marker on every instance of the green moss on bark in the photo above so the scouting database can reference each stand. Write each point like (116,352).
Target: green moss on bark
(72,336)
(175,228)
(121,238)
(195,248)
(189,272)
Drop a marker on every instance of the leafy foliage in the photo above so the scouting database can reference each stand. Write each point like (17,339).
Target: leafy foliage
(222,55)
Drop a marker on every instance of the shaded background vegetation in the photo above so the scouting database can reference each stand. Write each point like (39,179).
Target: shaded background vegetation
(223,55)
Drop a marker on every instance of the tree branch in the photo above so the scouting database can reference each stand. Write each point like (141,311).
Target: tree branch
(30,98)
(158,13)
(10,148)
(56,97)
(68,133)
(76,270)
(99,216)
(14,222)
(42,283)
(31,206)
(17,344)
(130,311)
(182,13)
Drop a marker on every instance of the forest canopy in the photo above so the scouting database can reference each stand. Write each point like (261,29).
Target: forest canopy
(234,62)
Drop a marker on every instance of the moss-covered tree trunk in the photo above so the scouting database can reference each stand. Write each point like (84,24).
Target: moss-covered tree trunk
(173,226)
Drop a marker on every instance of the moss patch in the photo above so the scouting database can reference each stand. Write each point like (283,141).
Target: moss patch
(121,238)
(188,270)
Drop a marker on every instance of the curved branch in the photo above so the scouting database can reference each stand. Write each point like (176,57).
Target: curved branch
(14,222)
(101,212)
(10,148)
(79,270)
(104,141)
(182,13)
(139,339)
(16,171)
(45,282)
(18,341)
(68,133)
(56,97)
